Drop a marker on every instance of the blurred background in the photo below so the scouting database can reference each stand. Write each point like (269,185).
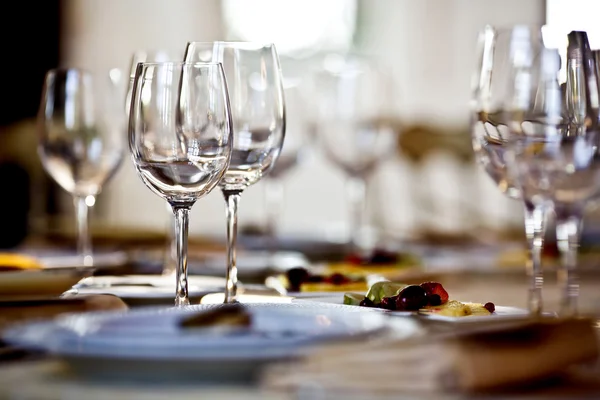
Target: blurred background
(429,185)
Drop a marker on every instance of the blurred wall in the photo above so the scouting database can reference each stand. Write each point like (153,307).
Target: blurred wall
(429,44)
(99,35)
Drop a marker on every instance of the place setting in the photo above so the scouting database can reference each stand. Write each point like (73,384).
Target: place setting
(269,313)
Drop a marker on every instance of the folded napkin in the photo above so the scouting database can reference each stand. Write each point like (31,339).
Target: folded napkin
(469,360)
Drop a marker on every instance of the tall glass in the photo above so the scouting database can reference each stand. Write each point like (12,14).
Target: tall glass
(355,127)
(553,149)
(258,109)
(170,253)
(81,141)
(490,132)
(180,139)
(292,154)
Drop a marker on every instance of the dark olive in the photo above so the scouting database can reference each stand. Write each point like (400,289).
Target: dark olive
(380,256)
(366,302)
(434,300)
(411,298)
(296,277)
(388,303)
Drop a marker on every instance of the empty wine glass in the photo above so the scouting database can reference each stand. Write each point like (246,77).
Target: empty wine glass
(258,110)
(180,138)
(553,149)
(490,131)
(355,126)
(290,157)
(81,141)
(170,254)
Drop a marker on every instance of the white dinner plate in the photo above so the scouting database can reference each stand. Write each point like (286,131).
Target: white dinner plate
(148,343)
(69,259)
(500,312)
(147,287)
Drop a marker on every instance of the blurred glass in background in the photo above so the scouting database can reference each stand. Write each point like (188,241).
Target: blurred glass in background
(429,184)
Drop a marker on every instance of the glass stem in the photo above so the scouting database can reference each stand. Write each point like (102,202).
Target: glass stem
(568,231)
(170,257)
(273,202)
(84,242)
(232,199)
(356,187)
(535,217)
(182,218)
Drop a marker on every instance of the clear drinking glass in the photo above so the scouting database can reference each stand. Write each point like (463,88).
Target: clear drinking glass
(81,141)
(490,131)
(170,254)
(355,126)
(553,149)
(258,110)
(292,154)
(180,138)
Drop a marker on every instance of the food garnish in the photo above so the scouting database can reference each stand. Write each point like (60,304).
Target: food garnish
(435,288)
(299,279)
(428,297)
(226,316)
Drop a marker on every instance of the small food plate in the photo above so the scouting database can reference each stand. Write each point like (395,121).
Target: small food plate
(52,259)
(150,344)
(140,290)
(500,311)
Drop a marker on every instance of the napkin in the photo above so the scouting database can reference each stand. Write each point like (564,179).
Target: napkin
(469,360)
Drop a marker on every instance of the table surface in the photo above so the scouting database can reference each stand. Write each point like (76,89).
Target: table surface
(50,379)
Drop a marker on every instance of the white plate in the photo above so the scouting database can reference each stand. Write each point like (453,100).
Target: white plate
(259,261)
(500,312)
(65,259)
(147,286)
(147,343)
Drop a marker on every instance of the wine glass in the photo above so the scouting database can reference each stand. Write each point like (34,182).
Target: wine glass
(292,154)
(81,141)
(490,132)
(553,149)
(180,138)
(355,126)
(170,254)
(258,110)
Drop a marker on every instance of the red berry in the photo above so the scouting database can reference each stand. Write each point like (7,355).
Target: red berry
(354,259)
(432,288)
(337,279)
(490,307)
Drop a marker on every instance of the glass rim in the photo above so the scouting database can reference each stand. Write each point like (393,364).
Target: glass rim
(510,27)
(84,72)
(180,63)
(241,43)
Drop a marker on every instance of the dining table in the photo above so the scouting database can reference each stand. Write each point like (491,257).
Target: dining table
(26,374)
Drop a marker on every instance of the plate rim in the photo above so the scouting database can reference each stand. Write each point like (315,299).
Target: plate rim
(47,338)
